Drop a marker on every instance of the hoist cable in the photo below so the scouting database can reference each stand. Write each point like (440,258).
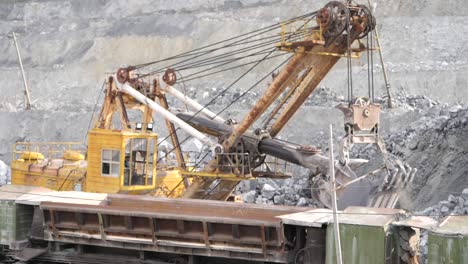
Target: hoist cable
(231,68)
(204,52)
(372,64)
(212,60)
(189,63)
(226,89)
(224,109)
(369,68)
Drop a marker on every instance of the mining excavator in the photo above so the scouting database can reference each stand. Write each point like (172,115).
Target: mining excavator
(123,158)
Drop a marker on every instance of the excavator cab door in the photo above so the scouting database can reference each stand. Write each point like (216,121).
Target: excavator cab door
(139,162)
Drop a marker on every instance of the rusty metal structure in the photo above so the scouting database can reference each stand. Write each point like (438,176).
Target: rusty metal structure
(184,226)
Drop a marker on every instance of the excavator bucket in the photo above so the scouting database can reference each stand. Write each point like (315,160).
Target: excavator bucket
(379,188)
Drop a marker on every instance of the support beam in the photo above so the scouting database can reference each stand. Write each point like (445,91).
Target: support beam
(194,105)
(321,65)
(166,114)
(25,83)
(336,224)
(172,131)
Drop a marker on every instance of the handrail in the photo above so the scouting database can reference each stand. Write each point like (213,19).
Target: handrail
(50,150)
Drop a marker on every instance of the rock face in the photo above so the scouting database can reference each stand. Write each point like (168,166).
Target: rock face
(436,145)
(293,192)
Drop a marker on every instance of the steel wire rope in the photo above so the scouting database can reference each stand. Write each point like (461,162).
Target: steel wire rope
(266,43)
(189,53)
(228,61)
(94,110)
(201,160)
(233,44)
(223,55)
(372,62)
(243,94)
(230,68)
(368,68)
(222,93)
(349,62)
(225,90)
(213,60)
(235,100)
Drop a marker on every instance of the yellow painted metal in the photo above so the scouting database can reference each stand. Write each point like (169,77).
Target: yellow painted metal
(41,164)
(169,183)
(40,174)
(32,155)
(73,155)
(224,176)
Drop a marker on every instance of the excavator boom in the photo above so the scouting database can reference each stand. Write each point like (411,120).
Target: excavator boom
(338,26)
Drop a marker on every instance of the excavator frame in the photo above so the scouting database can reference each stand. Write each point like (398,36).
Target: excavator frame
(239,149)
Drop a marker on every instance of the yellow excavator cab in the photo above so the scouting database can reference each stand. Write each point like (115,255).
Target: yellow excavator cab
(121,161)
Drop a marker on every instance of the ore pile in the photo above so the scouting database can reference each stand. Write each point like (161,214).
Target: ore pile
(294,191)
(436,145)
(454,205)
(429,136)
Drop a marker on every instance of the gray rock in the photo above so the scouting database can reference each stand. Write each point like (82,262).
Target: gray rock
(444,203)
(302,202)
(452,199)
(278,199)
(249,197)
(259,200)
(444,210)
(270,182)
(268,191)
(427,211)
(465,193)
(454,110)
(444,112)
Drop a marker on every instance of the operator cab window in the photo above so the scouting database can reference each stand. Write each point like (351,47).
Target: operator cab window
(110,161)
(138,169)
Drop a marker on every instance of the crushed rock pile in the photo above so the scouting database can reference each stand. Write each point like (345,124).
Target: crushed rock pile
(454,205)
(435,144)
(294,191)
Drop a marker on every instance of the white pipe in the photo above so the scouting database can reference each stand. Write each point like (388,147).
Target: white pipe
(339,257)
(168,115)
(192,103)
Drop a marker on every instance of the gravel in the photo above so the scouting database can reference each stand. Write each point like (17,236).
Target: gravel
(453,205)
